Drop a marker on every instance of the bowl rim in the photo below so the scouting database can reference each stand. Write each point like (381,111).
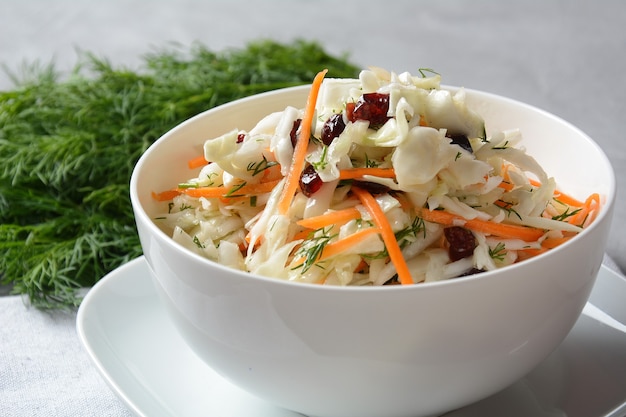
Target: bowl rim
(140,212)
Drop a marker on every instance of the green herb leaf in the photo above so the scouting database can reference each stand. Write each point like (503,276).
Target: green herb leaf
(68,146)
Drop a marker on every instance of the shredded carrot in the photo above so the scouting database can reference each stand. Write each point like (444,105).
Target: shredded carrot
(553,242)
(221,191)
(218,192)
(197,162)
(510,231)
(567,199)
(299,153)
(528,253)
(368,200)
(342,245)
(353,173)
(302,235)
(588,210)
(165,195)
(330,218)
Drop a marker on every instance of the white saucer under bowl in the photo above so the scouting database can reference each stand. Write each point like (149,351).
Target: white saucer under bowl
(129,338)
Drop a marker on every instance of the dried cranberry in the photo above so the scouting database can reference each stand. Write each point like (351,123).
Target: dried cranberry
(241,137)
(461,242)
(372,107)
(461,140)
(310,181)
(372,187)
(294,132)
(332,128)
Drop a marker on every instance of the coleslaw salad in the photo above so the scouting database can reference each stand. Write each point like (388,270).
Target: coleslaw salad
(383,179)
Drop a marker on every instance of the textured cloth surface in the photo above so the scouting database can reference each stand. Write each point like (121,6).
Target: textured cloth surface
(565,56)
(44,370)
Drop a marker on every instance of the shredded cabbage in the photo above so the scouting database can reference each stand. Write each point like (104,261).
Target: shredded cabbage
(441,160)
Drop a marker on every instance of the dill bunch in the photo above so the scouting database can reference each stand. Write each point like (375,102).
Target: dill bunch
(68,146)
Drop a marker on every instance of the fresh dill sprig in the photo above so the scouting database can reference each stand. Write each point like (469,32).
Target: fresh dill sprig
(258,167)
(312,248)
(566,214)
(499,252)
(68,144)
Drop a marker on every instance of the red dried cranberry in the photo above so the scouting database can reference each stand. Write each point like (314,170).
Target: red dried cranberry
(461,242)
(294,132)
(310,181)
(332,128)
(372,107)
(241,137)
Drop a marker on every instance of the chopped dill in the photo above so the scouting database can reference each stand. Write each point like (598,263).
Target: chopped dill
(258,167)
(322,163)
(312,248)
(423,72)
(233,190)
(508,207)
(68,145)
(371,163)
(199,244)
(501,147)
(499,252)
(566,214)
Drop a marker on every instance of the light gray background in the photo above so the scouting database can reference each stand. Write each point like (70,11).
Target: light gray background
(567,57)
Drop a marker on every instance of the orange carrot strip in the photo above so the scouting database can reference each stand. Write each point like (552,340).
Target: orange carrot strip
(165,195)
(511,231)
(221,191)
(370,203)
(299,153)
(352,173)
(592,202)
(302,235)
(327,219)
(339,246)
(527,253)
(553,242)
(567,199)
(197,162)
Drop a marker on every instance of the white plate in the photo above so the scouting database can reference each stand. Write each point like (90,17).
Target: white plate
(135,347)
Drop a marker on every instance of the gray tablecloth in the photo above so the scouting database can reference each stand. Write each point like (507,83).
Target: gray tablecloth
(567,57)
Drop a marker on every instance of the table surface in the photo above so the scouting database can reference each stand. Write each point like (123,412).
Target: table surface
(566,57)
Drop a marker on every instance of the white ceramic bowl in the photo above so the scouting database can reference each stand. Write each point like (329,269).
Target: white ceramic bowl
(387,351)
